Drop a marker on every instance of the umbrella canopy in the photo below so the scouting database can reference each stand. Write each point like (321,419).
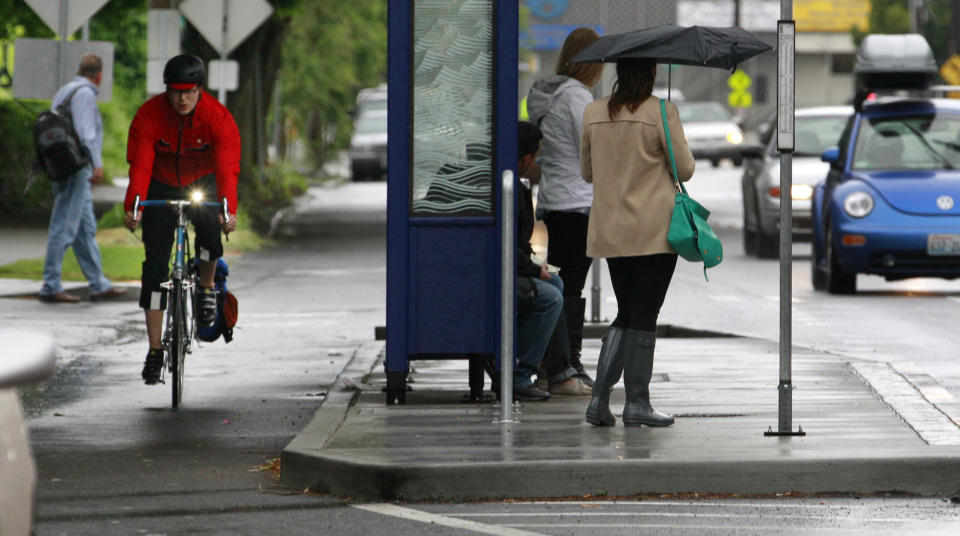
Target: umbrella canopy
(706,46)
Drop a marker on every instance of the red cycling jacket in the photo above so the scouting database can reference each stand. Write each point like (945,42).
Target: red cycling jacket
(177,150)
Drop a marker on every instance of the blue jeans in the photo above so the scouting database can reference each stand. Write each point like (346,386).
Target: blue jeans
(72,223)
(534,328)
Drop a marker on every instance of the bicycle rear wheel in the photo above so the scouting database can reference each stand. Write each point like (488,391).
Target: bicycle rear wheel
(179,339)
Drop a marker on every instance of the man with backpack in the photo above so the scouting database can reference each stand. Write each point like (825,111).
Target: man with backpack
(72,222)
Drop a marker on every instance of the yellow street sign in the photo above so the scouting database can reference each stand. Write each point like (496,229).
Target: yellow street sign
(739,99)
(950,70)
(739,80)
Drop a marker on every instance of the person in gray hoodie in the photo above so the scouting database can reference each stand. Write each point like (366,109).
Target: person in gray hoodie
(556,104)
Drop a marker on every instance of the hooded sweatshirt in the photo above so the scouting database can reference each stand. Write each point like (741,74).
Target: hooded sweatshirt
(556,104)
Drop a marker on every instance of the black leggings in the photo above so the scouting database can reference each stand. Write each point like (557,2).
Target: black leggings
(567,249)
(159,224)
(640,284)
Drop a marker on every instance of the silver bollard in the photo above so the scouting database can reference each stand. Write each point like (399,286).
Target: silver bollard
(507,239)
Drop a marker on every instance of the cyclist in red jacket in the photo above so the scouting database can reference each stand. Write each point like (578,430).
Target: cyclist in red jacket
(180,141)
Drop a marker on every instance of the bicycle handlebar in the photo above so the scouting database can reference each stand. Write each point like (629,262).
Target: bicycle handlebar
(138,204)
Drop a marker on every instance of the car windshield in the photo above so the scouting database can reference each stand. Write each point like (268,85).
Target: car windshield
(909,142)
(371,124)
(814,134)
(693,112)
(372,105)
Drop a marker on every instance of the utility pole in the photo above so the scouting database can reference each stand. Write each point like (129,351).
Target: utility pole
(736,13)
(954,43)
(913,8)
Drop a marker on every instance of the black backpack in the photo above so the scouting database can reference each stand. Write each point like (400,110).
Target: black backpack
(59,151)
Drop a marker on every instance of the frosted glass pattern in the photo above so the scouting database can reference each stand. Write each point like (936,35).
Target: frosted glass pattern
(452,108)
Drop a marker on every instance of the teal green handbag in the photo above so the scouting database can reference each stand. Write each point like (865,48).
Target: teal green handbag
(690,234)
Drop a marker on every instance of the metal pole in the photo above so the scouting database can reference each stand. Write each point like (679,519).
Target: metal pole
(786,84)
(86,31)
(507,269)
(222,92)
(62,60)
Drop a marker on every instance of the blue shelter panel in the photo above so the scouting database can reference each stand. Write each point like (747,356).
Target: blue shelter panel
(453,286)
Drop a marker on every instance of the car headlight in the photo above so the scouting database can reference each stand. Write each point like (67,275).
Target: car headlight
(801,192)
(858,204)
(735,137)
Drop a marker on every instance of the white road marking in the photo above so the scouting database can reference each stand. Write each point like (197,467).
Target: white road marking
(774,529)
(436,519)
(699,515)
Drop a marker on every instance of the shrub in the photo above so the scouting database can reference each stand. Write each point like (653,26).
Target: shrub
(24,191)
(274,189)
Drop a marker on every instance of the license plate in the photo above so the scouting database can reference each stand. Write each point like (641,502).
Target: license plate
(943,244)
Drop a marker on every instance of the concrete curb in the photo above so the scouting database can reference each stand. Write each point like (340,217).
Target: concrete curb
(363,480)
(297,458)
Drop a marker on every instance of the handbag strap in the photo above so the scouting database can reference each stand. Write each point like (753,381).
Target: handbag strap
(673,161)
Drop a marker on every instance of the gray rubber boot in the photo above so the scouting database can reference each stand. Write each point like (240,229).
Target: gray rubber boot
(574,309)
(609,368)
(638,349)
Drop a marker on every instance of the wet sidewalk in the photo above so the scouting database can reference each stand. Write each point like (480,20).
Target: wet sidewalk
(869,428)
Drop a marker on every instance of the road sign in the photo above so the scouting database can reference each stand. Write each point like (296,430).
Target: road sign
(739,81)
(242,18)
(950,70)
(36,62)
(78,12)
(229,71)
(740,99)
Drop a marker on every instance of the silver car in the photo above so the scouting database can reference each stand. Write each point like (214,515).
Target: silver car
(711,131)
(815,130)
(27,357)
(368,145)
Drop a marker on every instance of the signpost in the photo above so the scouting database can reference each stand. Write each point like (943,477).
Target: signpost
(64,17)
(786,84)
(225,24)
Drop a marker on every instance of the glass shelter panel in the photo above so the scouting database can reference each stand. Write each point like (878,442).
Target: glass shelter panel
(452,170)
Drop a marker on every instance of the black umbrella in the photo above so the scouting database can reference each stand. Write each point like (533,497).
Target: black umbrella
(707,46)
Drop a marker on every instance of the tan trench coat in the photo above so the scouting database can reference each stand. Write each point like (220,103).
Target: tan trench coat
(633,192)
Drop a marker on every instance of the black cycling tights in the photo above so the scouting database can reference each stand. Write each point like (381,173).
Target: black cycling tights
(640,284)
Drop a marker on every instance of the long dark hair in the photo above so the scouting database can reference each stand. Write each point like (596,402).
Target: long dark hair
(634,84)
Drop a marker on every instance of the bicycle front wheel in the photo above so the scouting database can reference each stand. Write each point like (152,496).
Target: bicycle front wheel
(179,340)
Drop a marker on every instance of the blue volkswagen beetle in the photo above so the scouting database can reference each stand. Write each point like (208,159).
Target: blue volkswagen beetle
(890,204)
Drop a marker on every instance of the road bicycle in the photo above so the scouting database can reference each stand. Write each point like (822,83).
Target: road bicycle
(180,324)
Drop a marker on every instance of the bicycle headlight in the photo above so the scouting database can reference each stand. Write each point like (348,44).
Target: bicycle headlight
(196,196)
(858,204)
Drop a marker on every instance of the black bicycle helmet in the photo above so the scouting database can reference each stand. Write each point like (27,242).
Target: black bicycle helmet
(184,72)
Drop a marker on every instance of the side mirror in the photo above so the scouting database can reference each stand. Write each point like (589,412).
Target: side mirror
(752,150)
(831,156)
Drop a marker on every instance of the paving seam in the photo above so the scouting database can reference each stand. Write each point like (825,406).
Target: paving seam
(903,397)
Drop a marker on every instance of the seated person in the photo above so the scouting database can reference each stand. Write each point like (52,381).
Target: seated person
(537,319)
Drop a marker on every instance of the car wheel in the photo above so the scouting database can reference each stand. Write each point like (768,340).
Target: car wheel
(356,174)
(749,236)
(738,161)
(837,281)
(817,277)
(768,247)
(715,162)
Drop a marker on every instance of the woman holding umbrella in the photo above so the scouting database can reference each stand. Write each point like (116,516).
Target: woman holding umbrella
(623,152)
(556,104)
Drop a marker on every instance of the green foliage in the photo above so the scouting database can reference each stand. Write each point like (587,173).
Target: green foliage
(274,189)
(333,50)
(119,262)
(112,218)
(24,191)
(891,17)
